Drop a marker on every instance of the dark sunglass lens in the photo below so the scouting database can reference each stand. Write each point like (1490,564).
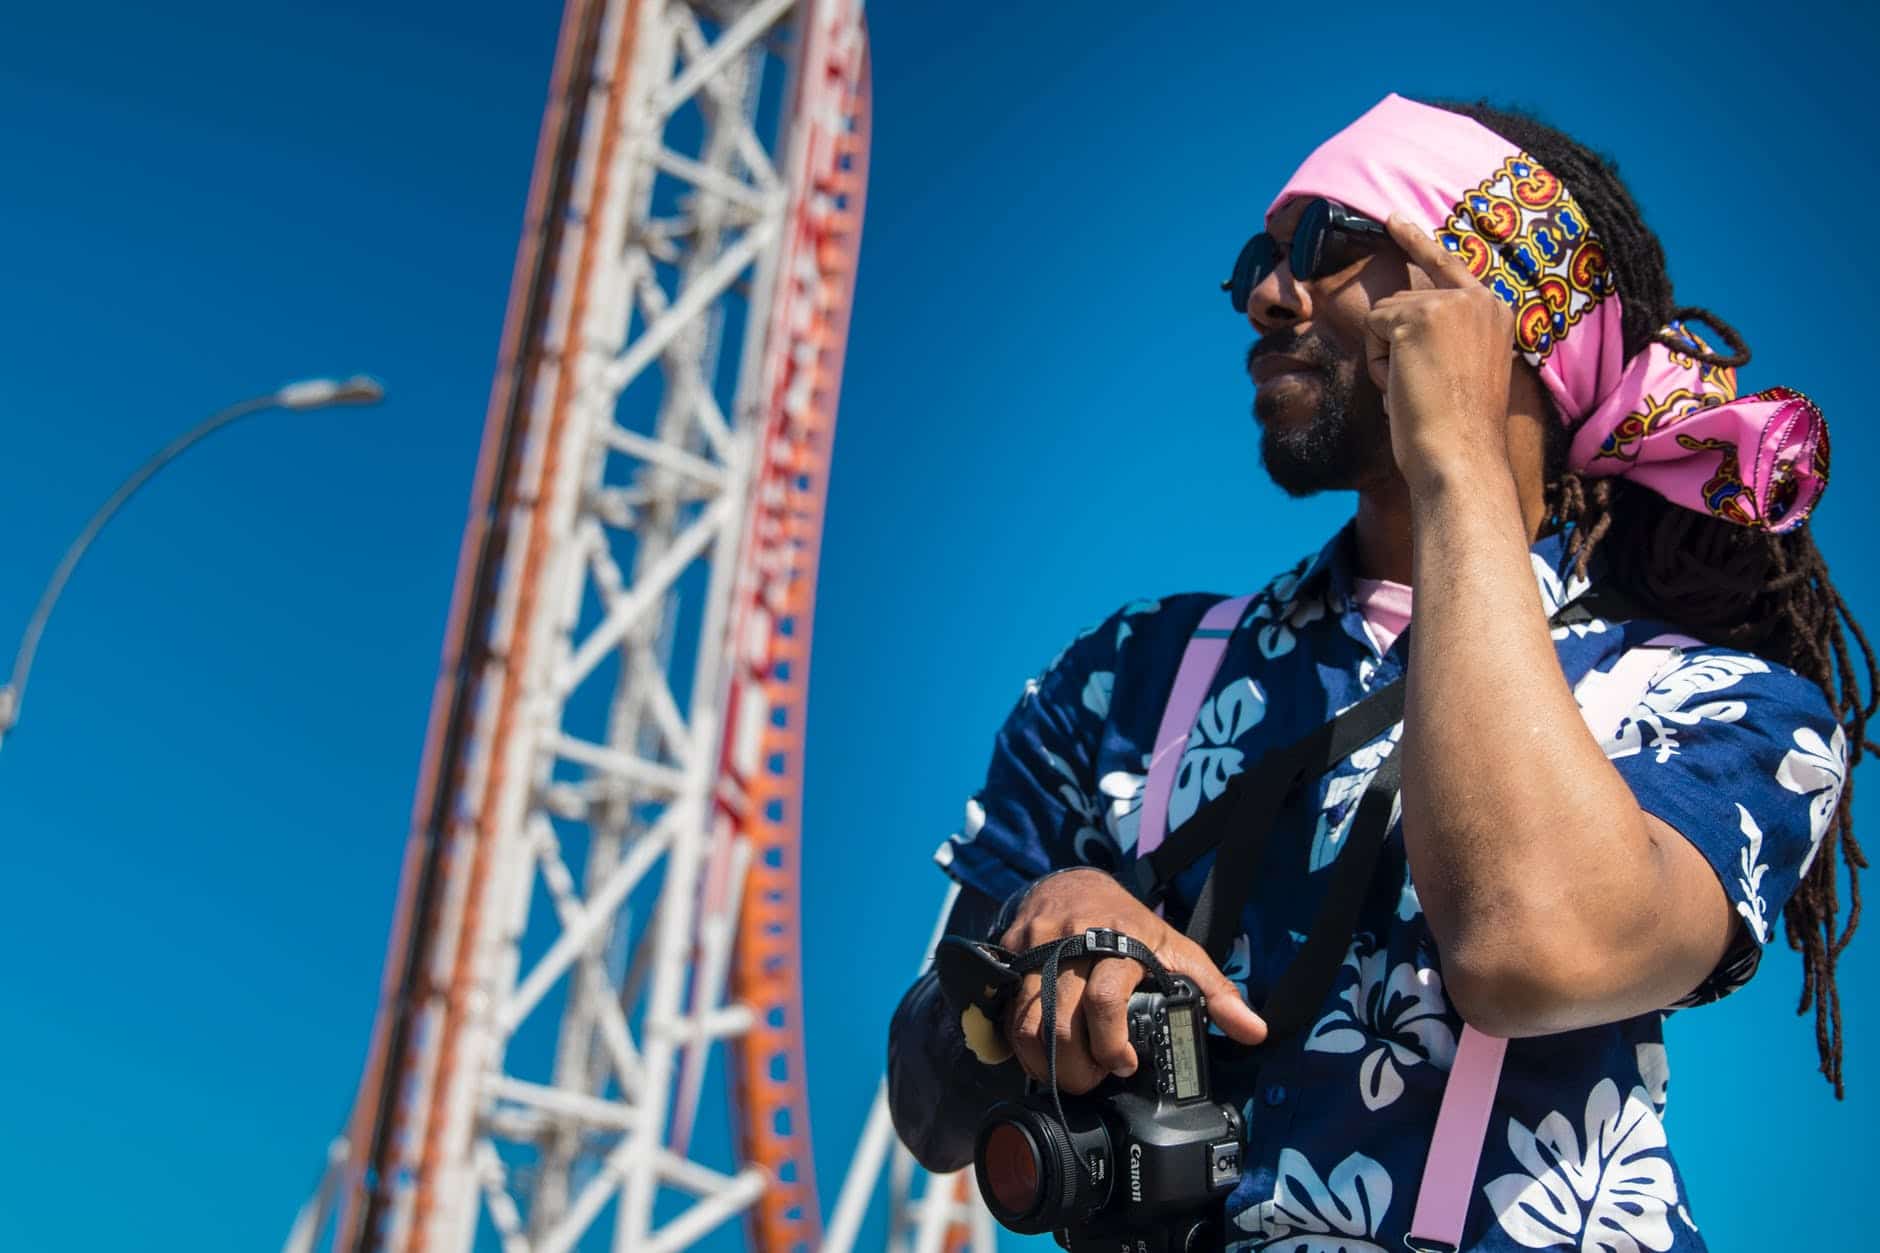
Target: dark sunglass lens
(1255,262)
(1308,242)
(1340,250)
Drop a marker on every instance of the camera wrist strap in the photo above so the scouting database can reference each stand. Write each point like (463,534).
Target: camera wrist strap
(1046,958)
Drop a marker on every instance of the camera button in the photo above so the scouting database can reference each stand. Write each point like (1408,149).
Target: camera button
(1223,1162)
(1275,1094)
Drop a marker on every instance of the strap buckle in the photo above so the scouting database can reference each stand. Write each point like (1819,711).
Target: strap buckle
(1104,940)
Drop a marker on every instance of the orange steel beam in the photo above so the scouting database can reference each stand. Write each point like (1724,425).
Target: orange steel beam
(382,1111)
(462,979)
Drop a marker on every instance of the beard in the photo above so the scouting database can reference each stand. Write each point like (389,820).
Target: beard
(1342,442)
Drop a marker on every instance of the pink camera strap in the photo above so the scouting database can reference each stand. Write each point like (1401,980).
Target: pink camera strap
(1200,660)
(1469,1094)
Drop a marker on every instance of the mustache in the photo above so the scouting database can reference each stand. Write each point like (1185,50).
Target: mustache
(1308,348)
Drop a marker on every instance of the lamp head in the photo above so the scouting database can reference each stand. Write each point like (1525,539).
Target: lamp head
(360,389)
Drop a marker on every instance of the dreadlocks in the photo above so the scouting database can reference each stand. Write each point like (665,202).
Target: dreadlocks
(1766,594)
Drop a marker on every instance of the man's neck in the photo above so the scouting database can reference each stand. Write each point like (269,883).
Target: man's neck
(1383,531)
(1385,542)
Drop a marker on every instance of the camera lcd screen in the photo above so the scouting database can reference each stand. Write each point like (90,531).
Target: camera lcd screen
(1181,1027)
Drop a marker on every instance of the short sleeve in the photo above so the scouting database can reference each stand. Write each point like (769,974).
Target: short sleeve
(1043,807)
(1745,759)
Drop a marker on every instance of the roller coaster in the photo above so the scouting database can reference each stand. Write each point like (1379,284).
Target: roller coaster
(600,893)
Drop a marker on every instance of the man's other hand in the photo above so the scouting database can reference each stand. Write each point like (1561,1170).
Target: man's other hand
(1093,993)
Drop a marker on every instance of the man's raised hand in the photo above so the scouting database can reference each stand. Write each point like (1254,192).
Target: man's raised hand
(1442,352)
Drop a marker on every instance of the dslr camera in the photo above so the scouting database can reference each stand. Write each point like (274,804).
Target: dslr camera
(1136,1165)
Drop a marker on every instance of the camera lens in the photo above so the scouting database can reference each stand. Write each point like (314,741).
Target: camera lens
(1038,1174)
(1011,1168)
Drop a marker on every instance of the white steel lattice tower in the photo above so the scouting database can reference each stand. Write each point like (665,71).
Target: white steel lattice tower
(602,875)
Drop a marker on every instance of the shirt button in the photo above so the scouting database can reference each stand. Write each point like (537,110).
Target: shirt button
(1275,1094)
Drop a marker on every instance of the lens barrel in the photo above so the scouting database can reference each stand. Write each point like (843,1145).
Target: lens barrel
(1036,1174)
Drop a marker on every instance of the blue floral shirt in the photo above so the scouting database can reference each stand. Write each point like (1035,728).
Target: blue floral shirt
(1741,756)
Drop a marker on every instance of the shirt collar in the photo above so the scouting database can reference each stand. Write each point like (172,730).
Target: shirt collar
(1333,568)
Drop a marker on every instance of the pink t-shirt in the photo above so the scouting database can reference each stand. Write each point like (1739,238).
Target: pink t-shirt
(1386,609)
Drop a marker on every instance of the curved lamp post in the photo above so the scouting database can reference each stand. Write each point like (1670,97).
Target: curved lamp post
(308,394)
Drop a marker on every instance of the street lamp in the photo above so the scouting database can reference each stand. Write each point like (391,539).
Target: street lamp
(306,394)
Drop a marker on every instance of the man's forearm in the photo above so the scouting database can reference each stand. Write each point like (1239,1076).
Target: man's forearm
(1528,850)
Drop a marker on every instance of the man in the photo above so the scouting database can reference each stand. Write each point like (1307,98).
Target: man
(1461,317)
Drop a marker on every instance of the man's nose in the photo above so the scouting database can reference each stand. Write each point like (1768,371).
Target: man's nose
(1278,301)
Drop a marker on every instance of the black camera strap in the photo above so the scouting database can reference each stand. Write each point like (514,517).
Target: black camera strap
(1299,993)
(1253,798)
(1270,786)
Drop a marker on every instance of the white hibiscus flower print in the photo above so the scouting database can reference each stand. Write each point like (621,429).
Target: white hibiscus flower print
(1090,843)
(1238,967)
(1131,610)
(1397,1022)
(1753,908)
(1817,770)
(1580,630)
(1367,673)
(1654,1069)
(1669,704)
(1555,591)
(1211,759)
(1609,1193)
(1121,791)
(1239,964)
(1342,795)
(975,822)
(1340,1213)
(1064,652)
(1278,617)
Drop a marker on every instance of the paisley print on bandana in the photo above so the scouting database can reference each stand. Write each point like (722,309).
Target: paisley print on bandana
(1716,385)
(1523,236)
(1723,490)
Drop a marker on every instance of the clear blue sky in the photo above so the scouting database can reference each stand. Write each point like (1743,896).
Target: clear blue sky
(202,815)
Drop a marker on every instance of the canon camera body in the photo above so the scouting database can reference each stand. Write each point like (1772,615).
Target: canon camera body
(1137,1165)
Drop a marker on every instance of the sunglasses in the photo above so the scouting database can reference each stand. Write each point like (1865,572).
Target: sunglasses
(1329,237)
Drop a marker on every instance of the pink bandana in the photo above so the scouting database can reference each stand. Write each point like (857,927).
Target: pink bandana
(1662,419)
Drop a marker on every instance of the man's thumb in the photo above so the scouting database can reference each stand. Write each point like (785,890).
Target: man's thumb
(1225,1005)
